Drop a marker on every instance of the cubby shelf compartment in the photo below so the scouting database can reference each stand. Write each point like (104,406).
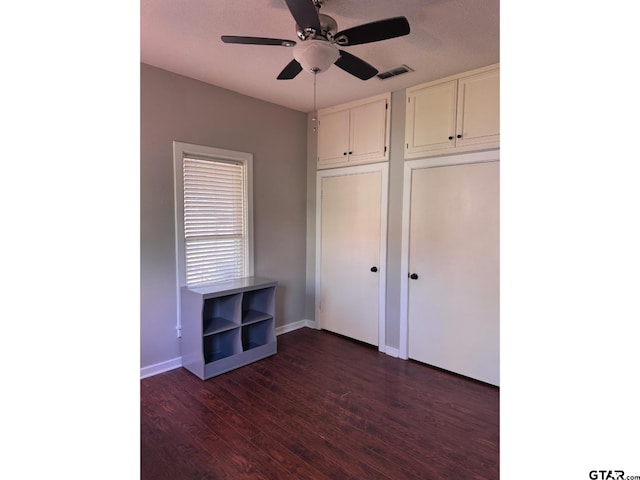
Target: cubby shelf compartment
(220,314)
(221,345)
(257,334)
(227,325)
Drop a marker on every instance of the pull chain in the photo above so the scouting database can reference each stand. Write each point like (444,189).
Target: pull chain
(315,110)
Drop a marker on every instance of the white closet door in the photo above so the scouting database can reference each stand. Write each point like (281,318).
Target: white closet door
(350,247)
(454,251)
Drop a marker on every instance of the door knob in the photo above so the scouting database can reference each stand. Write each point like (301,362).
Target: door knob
(374,269)
(413,276)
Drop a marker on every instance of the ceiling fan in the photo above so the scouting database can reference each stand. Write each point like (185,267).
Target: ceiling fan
(320,41)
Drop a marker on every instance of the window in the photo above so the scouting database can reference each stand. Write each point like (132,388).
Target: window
(213,214)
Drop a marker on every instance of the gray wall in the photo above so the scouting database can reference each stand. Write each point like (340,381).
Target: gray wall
(394,220)
(173,107)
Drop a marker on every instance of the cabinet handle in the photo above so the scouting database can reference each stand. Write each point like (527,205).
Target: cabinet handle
(413,276)
(459,135)
(450,137)
(350,153)
(374,269)
(344,153)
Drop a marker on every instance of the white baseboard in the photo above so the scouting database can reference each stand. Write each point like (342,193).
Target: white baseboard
(392,352)
(152,370)
(290,327)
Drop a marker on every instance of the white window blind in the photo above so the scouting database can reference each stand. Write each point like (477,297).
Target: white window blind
(215,220)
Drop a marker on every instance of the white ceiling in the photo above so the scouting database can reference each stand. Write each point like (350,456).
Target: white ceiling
(447,37)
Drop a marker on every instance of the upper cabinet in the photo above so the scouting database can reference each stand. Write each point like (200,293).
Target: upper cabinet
(354,133)
(455,114)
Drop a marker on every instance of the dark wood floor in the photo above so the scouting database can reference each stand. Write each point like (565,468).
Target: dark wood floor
(324,407)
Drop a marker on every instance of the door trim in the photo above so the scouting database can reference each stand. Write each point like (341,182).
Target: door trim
(383,168)
(409,167)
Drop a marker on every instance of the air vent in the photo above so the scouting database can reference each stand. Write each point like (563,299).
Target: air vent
(394,72)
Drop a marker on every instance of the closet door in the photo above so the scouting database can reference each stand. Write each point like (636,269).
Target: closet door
(454,253)
(351,252)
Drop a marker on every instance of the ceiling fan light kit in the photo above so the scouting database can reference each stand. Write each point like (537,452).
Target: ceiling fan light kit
(319,38)
(315,56)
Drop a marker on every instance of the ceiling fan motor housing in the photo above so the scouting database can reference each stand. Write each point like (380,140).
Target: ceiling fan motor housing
(328,27)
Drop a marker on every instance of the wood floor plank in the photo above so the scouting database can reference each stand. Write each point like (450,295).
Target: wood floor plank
(240,432)
(363,428)
(324,407)
(261,434)
(322,436)
(182,447)
(288,428)
(328,427)
(434,437)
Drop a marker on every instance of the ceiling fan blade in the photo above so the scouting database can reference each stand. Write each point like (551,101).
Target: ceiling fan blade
(292,69)
(355,66)
(305,14)
(373,32)
(257,41)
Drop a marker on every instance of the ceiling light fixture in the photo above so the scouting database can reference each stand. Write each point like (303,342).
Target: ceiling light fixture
(315,56)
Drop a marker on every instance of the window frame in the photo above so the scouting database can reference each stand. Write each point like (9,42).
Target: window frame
(203,152)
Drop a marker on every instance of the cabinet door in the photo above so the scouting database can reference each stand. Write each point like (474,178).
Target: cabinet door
(333,138)
(431,118)
(478,120)
(368,132)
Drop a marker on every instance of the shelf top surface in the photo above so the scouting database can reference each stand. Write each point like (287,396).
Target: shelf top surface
(232,286)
